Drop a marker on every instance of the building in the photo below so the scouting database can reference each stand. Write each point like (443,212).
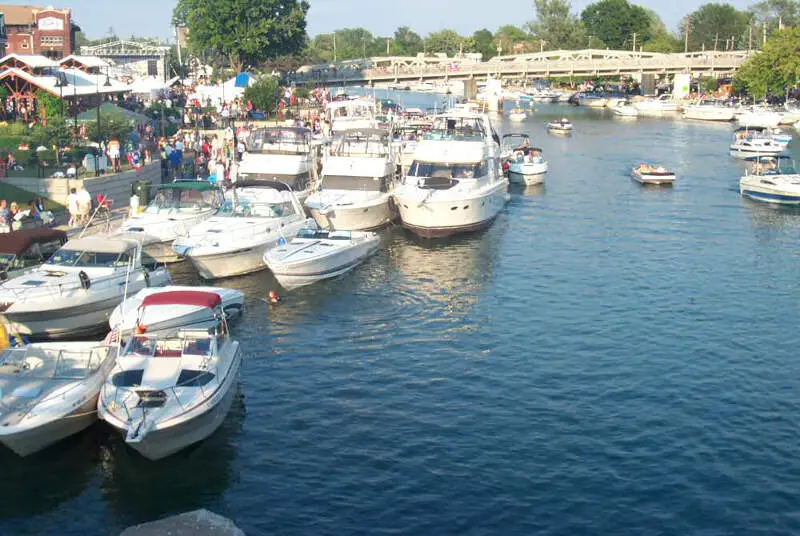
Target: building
(3,39)
(46,31)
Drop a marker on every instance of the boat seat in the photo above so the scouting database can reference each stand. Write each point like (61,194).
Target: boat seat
(168,353)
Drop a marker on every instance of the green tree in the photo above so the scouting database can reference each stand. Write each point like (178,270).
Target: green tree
(50,104)
(447,41)
(245,32)
(711,25)
(407,42)
(264,94)
(616,22)
(776,12)
(774,69)
(556,26)
(665,43)
(484,43)
(508,36)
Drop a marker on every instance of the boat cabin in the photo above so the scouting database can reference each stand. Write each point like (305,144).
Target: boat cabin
(772,165)
(364,142)
(279,140)
(261,199)
(96,252)
(20,250)
(185,196)
(456,128)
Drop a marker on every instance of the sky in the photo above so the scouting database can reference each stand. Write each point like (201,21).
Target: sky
(151,18)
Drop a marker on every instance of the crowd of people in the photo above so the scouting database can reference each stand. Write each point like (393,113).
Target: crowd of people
(14,217)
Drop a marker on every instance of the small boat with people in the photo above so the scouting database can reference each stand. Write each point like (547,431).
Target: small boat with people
(49,390)
(525,164)
(166,321)
(166,393)
(28,248)
(771,179)
(73,293)
(754,141)
(256,216)
(316,254)
(560,126)
(176,207)
(653,174)
(517,115)
(623,108)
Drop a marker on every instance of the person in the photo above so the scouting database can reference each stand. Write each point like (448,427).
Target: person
(5,217)
(33,211)
(72,207)
(84,205)
(114,154)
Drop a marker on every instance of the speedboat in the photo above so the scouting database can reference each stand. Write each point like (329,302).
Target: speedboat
(758,116)
(749,142)
(623,108)
(358,176)
(48,392)
(560,126)
(781,135)
(166,321)
(167,393)
(256,217)
(526,165)
(656,106)
(177,207)
(708,110)
(26,249)
(592,100)
(281,154)
(772,179)
(517,114)
(653,174)
(455,183)
(317,254)
(74,292)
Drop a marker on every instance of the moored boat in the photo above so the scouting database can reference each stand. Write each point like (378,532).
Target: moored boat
(26,249)
(560,126)
(748,142)
(525,164)
(772,179)
(708,110)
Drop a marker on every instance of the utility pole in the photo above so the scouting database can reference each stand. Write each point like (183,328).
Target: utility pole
(634,42)
(387,46)
(733,42)
(716,39)
(750,40)
(334,46)
(764,38)
(686,37)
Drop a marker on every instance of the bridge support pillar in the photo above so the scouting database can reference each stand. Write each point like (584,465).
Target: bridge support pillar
(470,88)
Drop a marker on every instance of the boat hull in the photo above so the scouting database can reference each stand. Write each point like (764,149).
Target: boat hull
(765,195)
(162,252)
(528,174)
(362,217)
(738,152)
(230,264)
(302,274)
(658,180)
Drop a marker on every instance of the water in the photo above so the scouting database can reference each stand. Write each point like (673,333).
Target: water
(605,359)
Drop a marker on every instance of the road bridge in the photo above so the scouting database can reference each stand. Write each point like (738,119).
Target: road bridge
(550,64)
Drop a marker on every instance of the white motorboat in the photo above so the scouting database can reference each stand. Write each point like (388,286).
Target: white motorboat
(177,207)
(781,135)
(74,292)
(758,116)
(48,392)
(653,174)
(560,126)
(525,164)
(317,254)
(255,217)
(167,393)
(358,177)
(517,115)
(772,179)
(24,250)
(282,154)
(166,321)
(623,108)
(355,114)
(592,100)
(455,183)
(708,110)
(749,142)
(656,106)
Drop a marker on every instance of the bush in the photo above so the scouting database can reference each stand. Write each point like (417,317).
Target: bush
(22,156)
(9,142)
(46,156)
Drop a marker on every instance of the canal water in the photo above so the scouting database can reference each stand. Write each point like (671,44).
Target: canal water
(605,359)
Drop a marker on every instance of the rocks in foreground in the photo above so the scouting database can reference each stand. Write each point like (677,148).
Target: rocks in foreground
(194,523)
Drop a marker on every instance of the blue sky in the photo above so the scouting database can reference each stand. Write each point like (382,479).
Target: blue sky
(151,17)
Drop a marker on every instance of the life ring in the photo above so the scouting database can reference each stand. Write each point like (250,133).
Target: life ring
(85,281)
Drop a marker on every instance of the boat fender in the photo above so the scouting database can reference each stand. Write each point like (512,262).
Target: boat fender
(85,281)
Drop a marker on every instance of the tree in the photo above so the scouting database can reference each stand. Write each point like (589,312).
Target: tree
(773,13)
(407,41)
(264,94)
(484,43)
(556,26)
(447,41)
(508,36)
(665,43)
(712,24)
(616,22)
(776,68)
(244,31)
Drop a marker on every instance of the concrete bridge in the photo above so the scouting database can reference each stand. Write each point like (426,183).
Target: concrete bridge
(551,64)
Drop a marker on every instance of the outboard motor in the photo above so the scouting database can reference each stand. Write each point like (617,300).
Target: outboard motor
(85,281)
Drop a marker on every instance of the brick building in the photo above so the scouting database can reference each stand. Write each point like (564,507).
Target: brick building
(39,30)
(2,35)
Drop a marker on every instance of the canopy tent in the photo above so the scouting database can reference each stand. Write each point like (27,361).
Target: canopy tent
(107,107)
(226,92)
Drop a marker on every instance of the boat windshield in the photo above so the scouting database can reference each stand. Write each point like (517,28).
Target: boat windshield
(145,346)
(366,144)
(447,171)
(456,129)
(187,200)
(90,259)
(245,208)
(278,141)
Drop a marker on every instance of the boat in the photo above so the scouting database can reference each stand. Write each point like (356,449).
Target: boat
(177,207)
(623,108)
(653,174)
(255,217)
(166,393)
(759,116)
(281,154)
(358,177)
(656,106)
(525,164)
(27,249)
(756,141)
(560,126)
(166,321)
(48,392)
(592,100)
(517,114)
(455,183)
(316,254)
(781,135)
(708,110)
(772,179)
(73,293)
(352,114)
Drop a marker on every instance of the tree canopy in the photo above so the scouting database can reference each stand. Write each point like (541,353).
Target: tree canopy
(711,25)
(775,68)
(244,31)
(264,94)
(483,41)
(447,41)
(615,22)
(556,26)
(773,13)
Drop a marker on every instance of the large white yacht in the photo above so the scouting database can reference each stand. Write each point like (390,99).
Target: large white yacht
(257,216)
(455,183)
(759,116)
(708,110)
(352,114)
(656,106)
(284,154)
(177,207)
(357,179)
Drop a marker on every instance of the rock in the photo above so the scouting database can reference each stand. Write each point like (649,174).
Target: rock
(194,523)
